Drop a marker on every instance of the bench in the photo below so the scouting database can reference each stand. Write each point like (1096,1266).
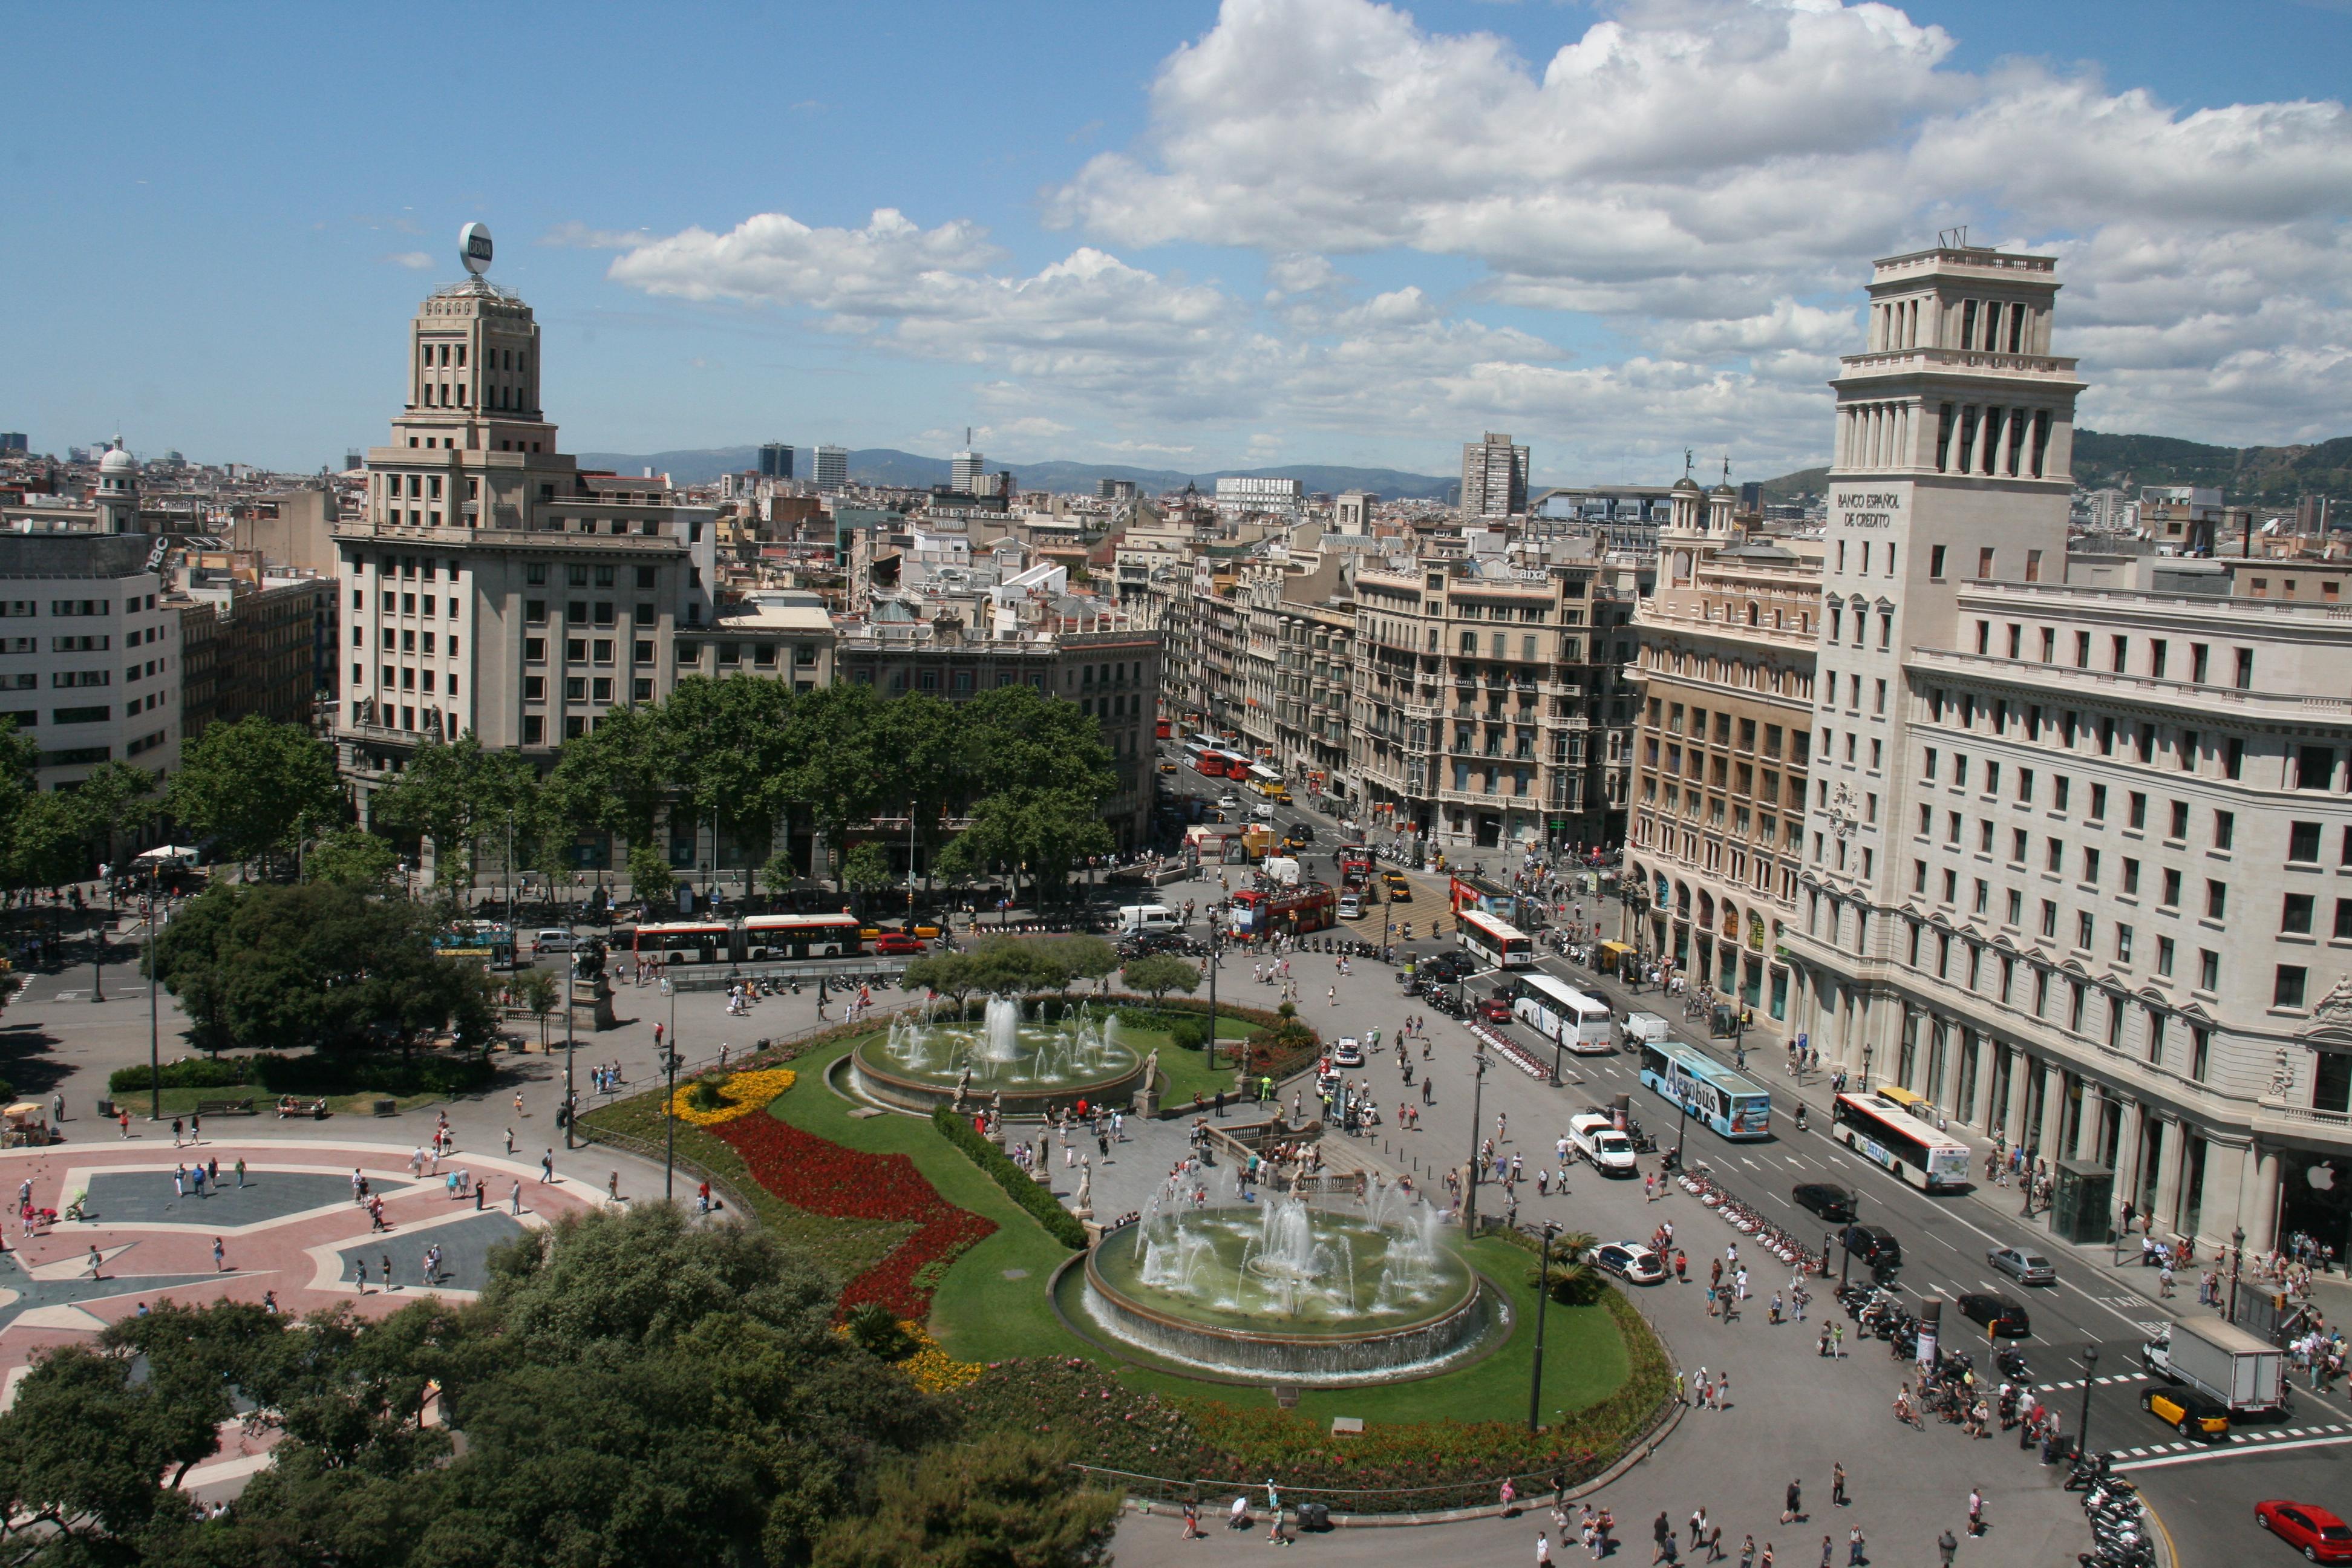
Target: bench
(225,1107)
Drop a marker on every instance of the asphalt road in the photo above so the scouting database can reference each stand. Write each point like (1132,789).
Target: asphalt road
(2203,1494)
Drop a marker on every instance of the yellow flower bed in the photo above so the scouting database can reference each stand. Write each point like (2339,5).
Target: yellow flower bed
(933,1370)
(744,1093)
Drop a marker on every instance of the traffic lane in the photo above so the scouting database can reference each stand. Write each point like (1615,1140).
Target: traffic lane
(2206,1504)
(1943,1250)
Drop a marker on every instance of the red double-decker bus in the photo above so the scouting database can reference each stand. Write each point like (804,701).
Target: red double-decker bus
(1284,912)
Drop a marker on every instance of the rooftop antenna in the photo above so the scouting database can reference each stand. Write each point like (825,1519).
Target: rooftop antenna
(1687,462)
(1955,238)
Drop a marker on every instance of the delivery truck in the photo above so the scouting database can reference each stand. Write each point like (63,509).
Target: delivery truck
(2223,1360)
(1641,1029)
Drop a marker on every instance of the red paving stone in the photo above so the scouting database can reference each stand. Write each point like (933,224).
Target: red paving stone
(295,1255)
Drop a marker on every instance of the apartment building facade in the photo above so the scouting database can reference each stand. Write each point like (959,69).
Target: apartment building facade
(1721,757)
(1479,696)
(491,585)
(2072,852)
(89,656)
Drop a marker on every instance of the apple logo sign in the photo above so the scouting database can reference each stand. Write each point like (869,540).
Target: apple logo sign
(2321,1175)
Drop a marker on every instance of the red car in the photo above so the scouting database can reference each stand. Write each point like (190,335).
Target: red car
(2319,1534)
(897,944)
(1494,1010)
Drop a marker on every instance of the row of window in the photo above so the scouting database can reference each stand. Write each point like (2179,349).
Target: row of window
(18,609)
(2155,660)
(404,678)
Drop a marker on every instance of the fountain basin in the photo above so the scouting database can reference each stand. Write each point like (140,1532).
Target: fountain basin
(1353,1300)
(1032,1069)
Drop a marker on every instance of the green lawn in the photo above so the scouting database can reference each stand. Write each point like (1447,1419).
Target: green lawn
(977,1314)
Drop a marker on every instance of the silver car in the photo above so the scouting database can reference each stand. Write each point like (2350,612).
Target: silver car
(2025,1268)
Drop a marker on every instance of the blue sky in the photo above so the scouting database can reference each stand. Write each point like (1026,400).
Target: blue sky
(1178,235)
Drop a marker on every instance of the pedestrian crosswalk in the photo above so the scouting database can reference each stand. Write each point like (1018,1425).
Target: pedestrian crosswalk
(2255,1438)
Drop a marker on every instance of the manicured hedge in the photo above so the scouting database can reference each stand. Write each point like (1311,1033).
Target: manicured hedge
(317,1074)
(1018,1185)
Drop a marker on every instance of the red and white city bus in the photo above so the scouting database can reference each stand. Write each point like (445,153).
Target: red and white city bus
(678,941)
(1495,944)
(767,937)
(1284,912)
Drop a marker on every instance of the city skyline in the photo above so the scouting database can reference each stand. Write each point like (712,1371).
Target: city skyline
(1152,267)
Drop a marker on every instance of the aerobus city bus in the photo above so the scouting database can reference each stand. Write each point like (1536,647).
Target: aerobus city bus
(1902,1143)
(770,937)
(1725,1101)
(1558,1012)
(1495,944)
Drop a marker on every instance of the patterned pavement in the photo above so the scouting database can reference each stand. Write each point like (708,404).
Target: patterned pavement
(293,1229)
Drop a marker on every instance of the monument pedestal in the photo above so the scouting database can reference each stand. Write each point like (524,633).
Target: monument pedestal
(592,1004)
(1147,1104)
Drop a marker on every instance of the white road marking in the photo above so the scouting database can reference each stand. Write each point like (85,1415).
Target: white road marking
(2226,1450)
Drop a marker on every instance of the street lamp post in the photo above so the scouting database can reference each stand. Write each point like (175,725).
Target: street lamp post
(155,1006)
(1211,1045)
(1543,1293)
(2237,1260)
(2090,1376)
(570,989)
(1470,1189)
(1682,1126)
(669,1102)
(1865,1068)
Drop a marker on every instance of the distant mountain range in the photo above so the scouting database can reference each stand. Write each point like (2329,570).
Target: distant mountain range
(887,466)
(2246,476)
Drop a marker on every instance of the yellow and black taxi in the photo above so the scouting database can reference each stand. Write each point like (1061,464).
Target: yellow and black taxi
(1400,890)
(2186,1411)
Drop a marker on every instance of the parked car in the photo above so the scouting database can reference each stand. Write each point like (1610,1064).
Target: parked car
(1629,1260)
(2186,1411)
(1875,1245)
(1998,1314)
(2025,1268)
(2310,1529)
(897,944)
(1349,1052)
(554,939)
(1827,1199)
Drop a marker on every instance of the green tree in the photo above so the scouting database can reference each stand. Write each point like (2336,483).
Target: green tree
(539,992)
(1009,1501)
(452,793)
(47,841)
(1084,957)
(352,857)
(1047,831)
(316,964)
(86,1448)
(837,776)
(650,879)
(111,799)
(866,871)
(1158,974)
(255,787)
(728,749)
(952,974)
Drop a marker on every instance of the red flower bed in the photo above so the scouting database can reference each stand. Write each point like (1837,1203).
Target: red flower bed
(820,1176)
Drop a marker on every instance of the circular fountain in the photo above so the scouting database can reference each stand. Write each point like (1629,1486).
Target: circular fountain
(1345,1293)
(1027,1068)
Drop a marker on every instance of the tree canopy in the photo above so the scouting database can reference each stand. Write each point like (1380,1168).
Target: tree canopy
(255,787)
(316,964)
(629,1389)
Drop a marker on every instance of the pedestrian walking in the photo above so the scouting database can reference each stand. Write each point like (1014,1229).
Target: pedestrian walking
(240,1170)
(1837,1485)
(515,1198)
(220,1257)
(122,1118)
(518,1104)
(178,1128)
(1543,1549)
(1854,1557)
(547,1167)
(1976,1513)
(97,1263)
(1794,1509)
(361,1264)
(1948,1546)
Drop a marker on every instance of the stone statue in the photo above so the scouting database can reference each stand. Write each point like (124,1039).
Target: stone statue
(963,1085)
(996,1106)
(1151,1067)
(1086,1204)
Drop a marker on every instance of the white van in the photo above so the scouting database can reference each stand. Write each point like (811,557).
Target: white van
(1641,1029)
(1594,1135)
(554,939)
(1136,918)
(1351,906)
